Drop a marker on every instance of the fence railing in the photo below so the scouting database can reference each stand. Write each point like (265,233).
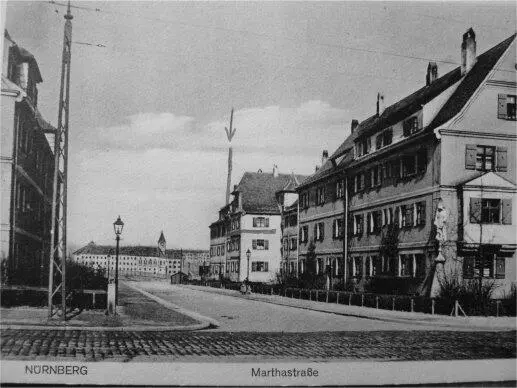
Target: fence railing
(408,303)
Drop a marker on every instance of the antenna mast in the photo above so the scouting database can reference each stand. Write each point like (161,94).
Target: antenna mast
(56,281)
(229,133)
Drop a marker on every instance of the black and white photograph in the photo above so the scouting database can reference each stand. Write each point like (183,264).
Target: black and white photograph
(258,193)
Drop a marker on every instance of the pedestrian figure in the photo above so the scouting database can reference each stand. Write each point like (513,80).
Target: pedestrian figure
(243,287)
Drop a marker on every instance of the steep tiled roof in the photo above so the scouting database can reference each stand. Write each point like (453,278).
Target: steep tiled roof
(293,183)
(412,103)
(484,64)
(138,250)
(25,56)
(258,191)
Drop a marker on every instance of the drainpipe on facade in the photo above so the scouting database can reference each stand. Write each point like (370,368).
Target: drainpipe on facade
(345,232)
(298,238)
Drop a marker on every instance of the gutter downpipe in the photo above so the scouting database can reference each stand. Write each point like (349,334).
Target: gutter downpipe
(298,238)
(345,233)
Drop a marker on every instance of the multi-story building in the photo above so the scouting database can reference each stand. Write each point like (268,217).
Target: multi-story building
(218,231)
(27,166)
(438,164)
(321,224)
(252,222)
(136,261)
(287,199)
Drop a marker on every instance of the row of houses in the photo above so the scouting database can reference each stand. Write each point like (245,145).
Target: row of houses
(427,179)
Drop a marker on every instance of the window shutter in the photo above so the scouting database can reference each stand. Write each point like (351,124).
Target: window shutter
(315,232)
(407,128)
(254,222)
(396,169)
(368,223)
(254,244)
(368,179)
(334,229)
(507,211)
(475,210)
(501,158)
(322,231)
(396,218)
(499,267)
(266,245)
(501,106)
(267,222)
(470,156)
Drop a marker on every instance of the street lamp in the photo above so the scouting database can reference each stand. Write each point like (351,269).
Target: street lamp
(118,225)
(248,255)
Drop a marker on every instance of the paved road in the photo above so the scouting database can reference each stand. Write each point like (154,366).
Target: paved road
(252,331)
(238,314)
(224,346)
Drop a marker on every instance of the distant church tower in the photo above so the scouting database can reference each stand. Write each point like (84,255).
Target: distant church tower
(162,244)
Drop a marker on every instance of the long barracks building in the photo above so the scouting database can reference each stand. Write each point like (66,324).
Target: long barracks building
(147,261)
(450,144)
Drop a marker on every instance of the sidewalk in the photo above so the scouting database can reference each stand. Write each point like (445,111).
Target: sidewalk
(136,312)
(466,323)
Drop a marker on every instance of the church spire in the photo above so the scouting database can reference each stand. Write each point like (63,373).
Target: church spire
(162,243)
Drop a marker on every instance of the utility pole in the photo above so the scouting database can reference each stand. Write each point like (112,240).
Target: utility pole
(229,133)
(59,193)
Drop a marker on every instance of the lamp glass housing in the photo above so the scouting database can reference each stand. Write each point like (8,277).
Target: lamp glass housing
(118,225)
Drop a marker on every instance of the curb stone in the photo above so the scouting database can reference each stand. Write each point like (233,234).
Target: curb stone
(417,320)
(198,317)
(205,322)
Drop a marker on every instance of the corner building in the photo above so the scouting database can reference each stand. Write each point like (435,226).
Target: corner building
(450,144)
(251,221)
(27,171)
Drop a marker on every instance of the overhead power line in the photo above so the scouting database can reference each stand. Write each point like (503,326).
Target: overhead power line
(269,36)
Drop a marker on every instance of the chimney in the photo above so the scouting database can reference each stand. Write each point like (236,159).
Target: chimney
(432,73)
(468,51)
(380,103)
(275,171)
(354,125)
(324,157)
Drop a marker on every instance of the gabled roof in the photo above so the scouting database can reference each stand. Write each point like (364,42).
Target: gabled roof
(137,250)
(25,56)
(162,238)
(258,191)
(94,249)
(473,79)
(412,103)
(293,183)
(489,179)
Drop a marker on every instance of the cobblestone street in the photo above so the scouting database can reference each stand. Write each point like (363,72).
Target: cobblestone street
(378,345)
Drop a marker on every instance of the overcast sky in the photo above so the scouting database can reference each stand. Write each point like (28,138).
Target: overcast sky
(148,110)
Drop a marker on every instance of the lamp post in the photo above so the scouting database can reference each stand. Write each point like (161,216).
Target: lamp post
(118,225)
(108,262)
(248,255)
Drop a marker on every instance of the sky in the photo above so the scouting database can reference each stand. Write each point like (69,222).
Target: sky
(153,83)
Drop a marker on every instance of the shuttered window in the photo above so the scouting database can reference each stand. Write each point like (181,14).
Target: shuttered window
(486,158)
(501,159)
(506,211)
(499,267)
(506,107)
(490,211)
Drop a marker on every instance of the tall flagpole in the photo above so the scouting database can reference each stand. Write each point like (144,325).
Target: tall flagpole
(229,133)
